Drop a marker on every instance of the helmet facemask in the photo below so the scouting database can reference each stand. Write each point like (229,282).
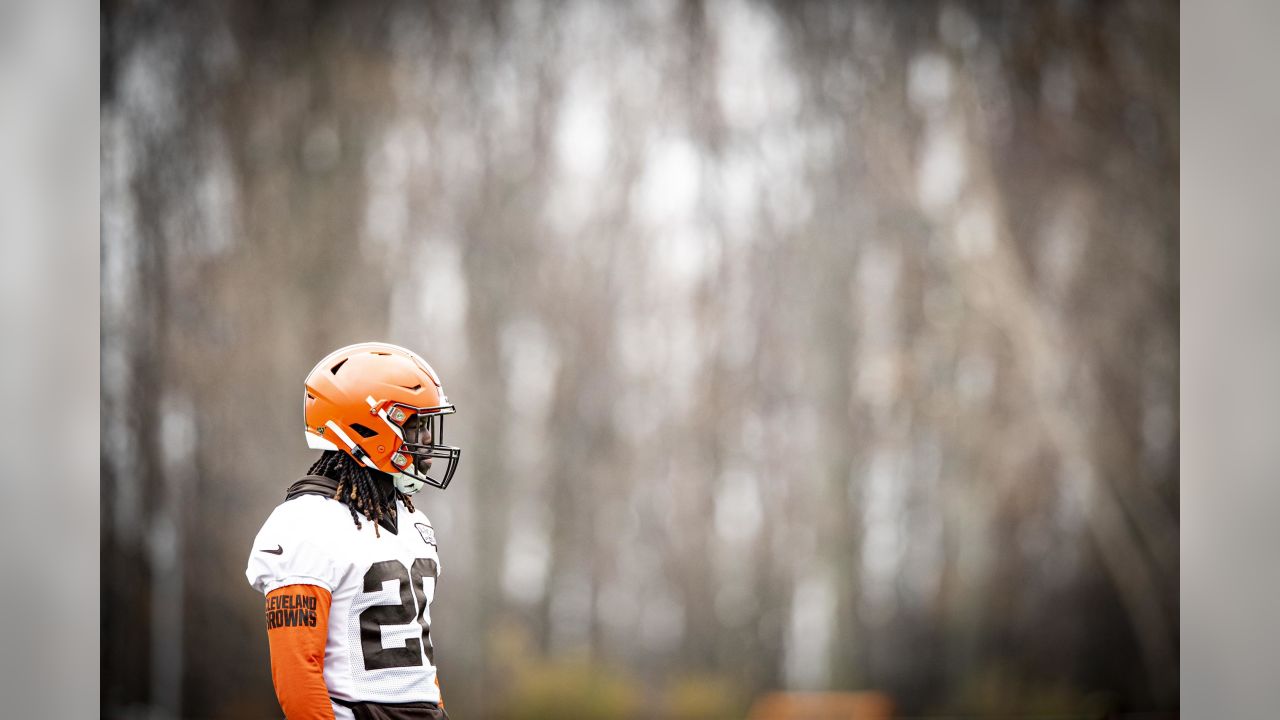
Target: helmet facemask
(422,458)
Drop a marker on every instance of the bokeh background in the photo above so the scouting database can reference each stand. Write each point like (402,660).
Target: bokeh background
(797,346)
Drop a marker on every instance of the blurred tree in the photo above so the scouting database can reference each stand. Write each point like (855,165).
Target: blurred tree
(809,346)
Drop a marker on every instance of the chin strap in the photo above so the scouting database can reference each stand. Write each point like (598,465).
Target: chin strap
(407,484)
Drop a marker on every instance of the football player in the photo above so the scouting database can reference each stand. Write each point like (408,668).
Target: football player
(347,563)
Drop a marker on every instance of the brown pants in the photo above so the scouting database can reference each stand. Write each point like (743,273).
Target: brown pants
(399,711)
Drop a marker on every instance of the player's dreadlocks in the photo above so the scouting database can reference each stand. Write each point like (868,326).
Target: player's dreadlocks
(359,489)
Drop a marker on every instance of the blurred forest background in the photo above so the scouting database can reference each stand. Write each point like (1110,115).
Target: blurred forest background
(812,345)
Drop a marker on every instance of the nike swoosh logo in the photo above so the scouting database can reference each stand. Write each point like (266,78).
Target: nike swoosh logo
(278,551)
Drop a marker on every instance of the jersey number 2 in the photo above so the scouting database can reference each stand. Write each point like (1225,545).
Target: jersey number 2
(413,606)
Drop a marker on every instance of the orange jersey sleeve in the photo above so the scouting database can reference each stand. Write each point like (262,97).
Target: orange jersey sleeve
(298,630)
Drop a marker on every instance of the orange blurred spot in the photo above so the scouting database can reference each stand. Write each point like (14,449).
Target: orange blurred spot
(822,706)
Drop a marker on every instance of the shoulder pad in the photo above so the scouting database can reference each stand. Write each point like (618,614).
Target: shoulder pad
(312,485)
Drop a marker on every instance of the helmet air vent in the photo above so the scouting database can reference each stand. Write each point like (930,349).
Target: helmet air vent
(341,362)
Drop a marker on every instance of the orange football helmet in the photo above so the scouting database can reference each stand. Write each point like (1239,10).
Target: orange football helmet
(382,405)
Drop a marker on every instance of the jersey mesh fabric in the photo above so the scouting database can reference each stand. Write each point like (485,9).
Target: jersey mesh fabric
(392,681)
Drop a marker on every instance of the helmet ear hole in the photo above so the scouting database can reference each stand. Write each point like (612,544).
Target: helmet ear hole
(365,432)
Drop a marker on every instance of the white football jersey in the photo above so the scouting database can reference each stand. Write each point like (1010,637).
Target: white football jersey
(379,648)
